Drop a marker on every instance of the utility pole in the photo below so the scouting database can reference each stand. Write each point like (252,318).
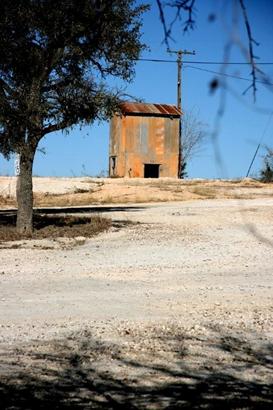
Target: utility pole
(179,61)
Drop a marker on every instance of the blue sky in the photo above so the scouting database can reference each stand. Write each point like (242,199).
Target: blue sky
(85,151)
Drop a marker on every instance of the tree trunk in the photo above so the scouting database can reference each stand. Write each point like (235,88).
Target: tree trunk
(24,194)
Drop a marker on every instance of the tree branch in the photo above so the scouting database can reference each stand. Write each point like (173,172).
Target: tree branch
(54,127)
(180,5)
(251,41)
(163,21)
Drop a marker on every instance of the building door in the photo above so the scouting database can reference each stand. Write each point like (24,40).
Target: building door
(151,170)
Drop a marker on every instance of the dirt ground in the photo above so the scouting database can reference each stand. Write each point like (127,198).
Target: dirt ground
(85,191)
(170,308)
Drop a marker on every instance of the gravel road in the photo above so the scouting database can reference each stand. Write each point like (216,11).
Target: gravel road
(176,295)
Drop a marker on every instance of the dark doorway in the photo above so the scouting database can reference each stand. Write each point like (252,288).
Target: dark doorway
(151,170)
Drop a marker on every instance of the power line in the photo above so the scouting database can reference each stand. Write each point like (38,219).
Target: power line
(155,60)
(158,60)
(228,63)
(228,75)
(211,71)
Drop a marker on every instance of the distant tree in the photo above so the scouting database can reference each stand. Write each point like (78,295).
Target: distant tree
(54,60)
(193,137)
(266,173)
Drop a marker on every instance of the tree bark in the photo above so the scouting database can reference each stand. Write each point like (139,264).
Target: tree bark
(24,193)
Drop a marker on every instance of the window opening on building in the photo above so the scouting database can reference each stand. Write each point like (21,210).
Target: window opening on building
(113,164)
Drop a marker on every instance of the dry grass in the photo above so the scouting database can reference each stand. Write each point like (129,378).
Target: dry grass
(68,199)
(7,201)
(55,226)
(205,192)
(78,192)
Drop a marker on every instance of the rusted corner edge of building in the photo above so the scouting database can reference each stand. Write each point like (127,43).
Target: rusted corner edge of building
(149,110)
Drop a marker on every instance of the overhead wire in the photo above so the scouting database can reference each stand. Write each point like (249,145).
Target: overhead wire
(237,77)
(154,60)
(158,60)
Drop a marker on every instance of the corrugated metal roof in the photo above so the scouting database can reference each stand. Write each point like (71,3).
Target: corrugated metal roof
(133,108)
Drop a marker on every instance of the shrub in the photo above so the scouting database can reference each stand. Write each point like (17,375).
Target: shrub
(266,173)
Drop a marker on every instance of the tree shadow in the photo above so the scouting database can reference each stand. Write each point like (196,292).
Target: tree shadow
(7,214)
(174,370)
(65,222)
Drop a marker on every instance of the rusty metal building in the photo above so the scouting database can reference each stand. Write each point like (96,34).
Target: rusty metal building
(144,141)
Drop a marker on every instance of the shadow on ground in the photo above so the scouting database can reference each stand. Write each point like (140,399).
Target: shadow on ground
(64,222)
(83,372)
(6,214)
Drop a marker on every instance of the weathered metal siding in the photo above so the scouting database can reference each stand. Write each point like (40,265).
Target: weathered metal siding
(139,140)
(133,108)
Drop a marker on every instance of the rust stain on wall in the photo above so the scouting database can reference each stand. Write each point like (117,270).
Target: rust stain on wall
(144,141)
